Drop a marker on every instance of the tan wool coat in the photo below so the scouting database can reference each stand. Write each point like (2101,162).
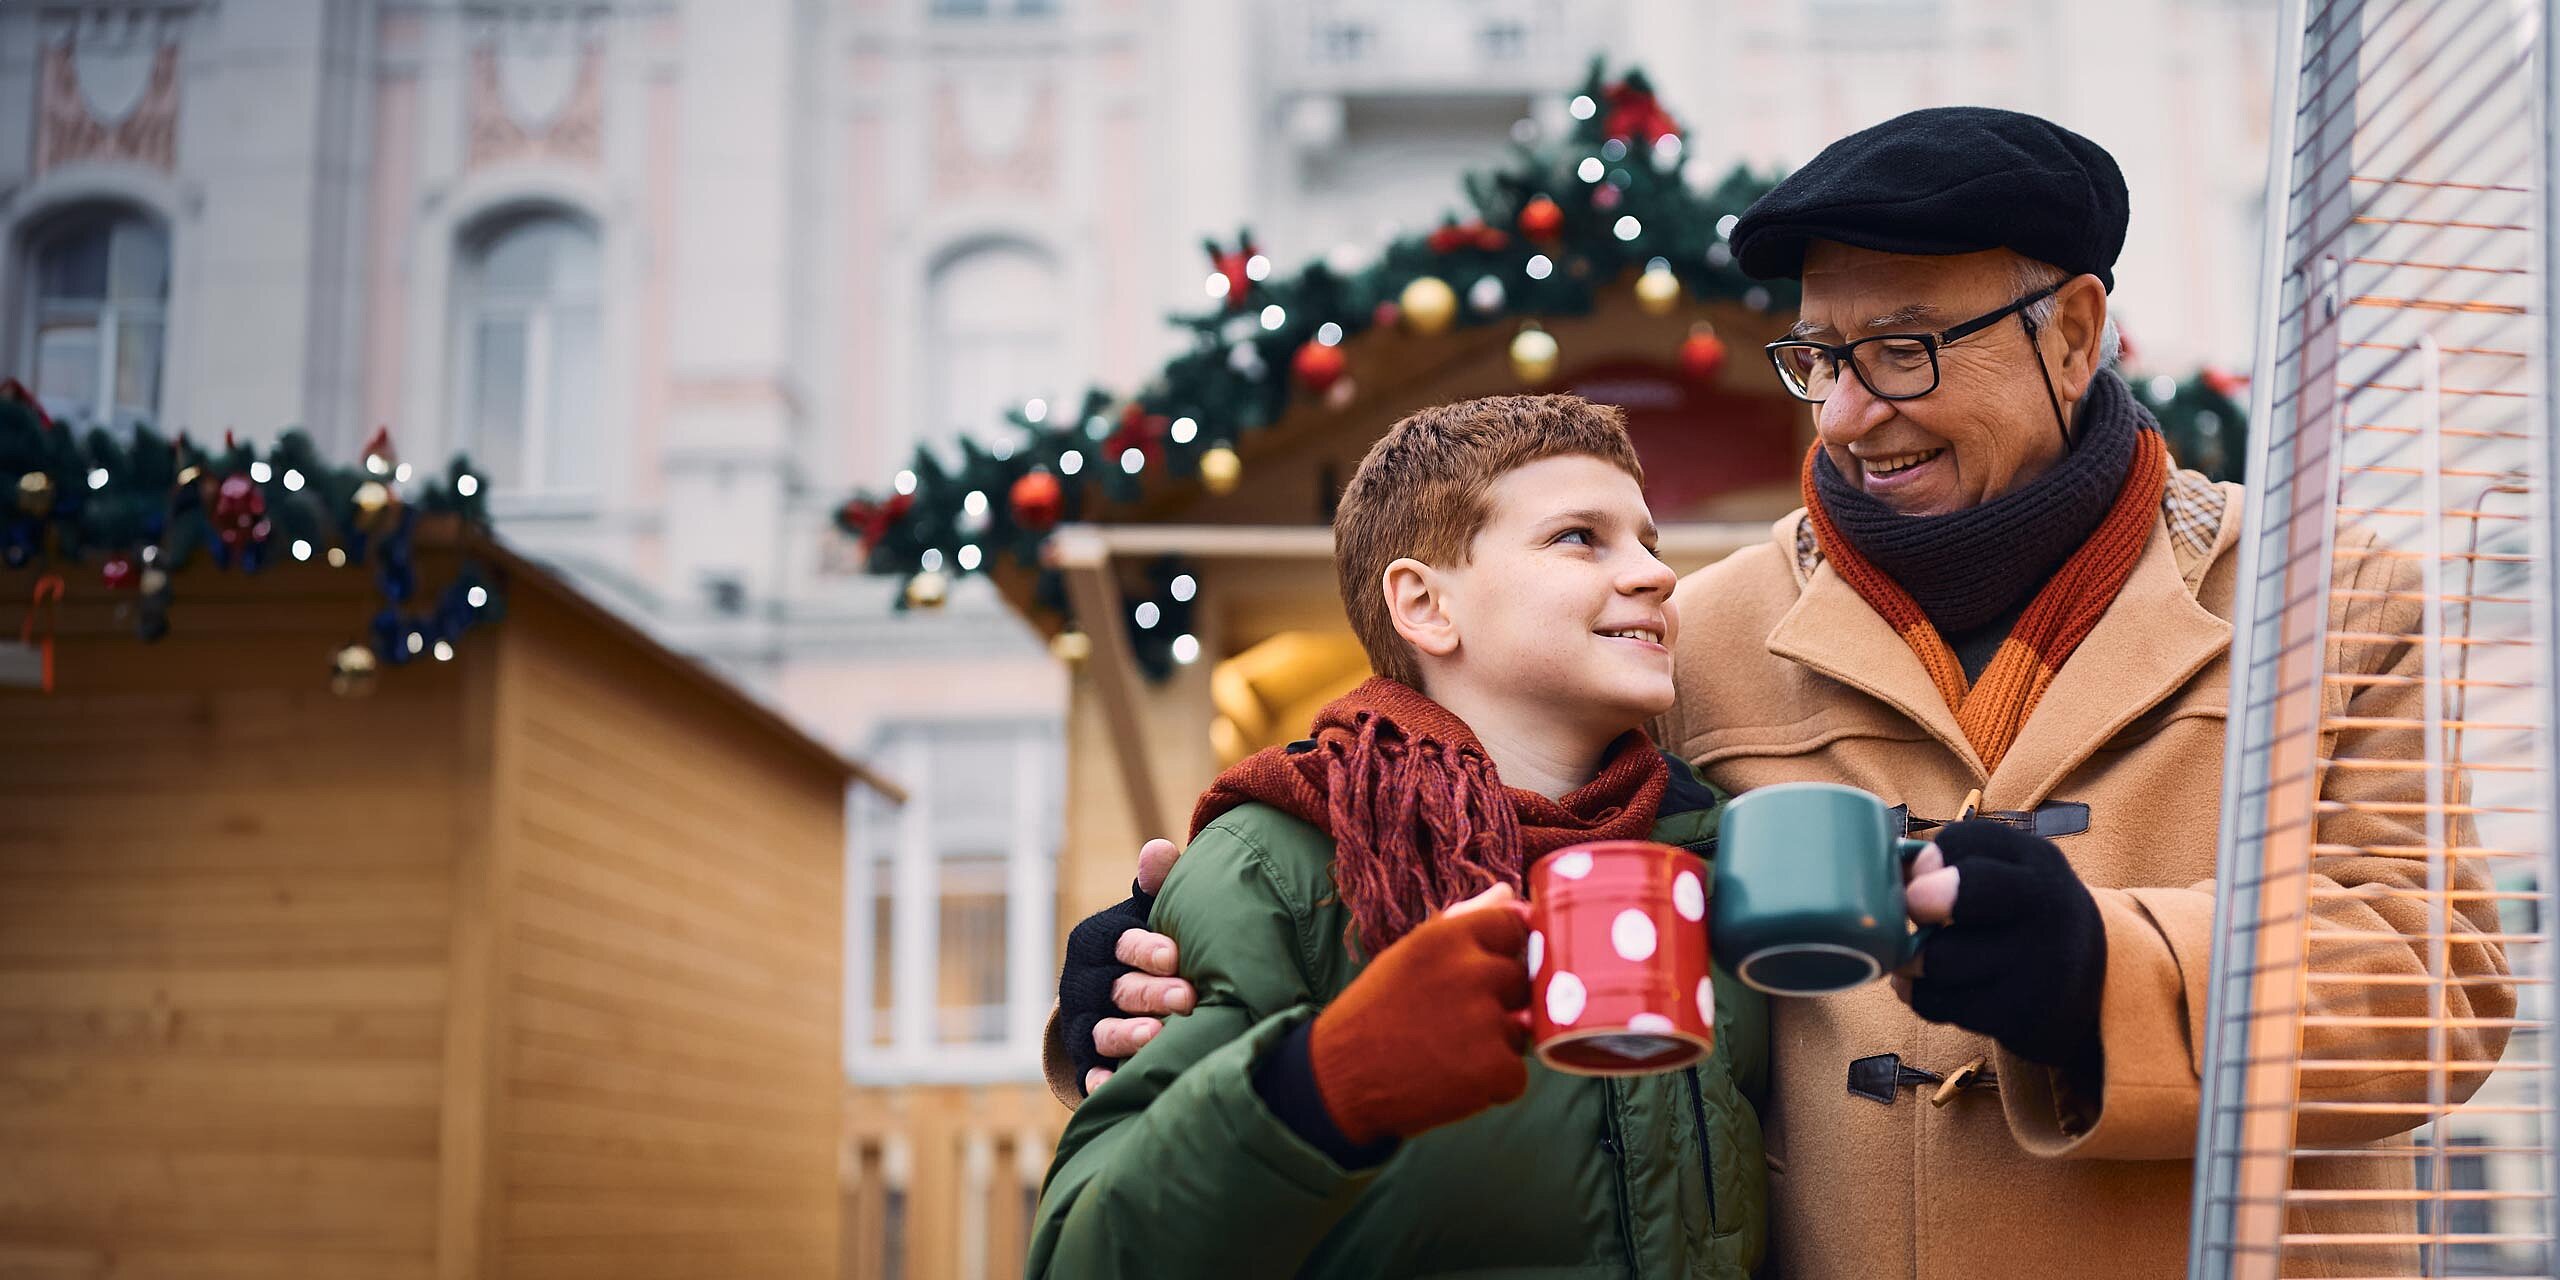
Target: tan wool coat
(1785,674)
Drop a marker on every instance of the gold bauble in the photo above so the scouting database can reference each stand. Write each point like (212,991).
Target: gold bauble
(377,507)
(1533,355)
(352,673)
(1428,305)
(928,590)
(1071,646)
(35,493)
(1657,291)
(1221,470)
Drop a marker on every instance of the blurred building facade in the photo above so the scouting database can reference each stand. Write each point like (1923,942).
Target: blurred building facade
(680,274)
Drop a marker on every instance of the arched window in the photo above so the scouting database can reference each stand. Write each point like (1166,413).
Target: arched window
(995,337)
(97,312)
(529,373)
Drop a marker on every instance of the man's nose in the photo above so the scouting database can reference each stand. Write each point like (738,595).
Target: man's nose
(1850,412)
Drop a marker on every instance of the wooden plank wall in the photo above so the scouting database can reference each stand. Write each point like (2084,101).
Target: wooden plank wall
(668,1013)
(225,912)
(962,1165)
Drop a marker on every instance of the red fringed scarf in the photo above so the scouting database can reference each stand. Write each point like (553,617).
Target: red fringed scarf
(2063,613)
(1417,815)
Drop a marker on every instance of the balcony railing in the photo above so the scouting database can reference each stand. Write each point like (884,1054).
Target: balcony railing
(1435,46)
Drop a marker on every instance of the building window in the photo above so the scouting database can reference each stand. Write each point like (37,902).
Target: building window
(994,338)
(993,8)
(97,315)
(950,910)
(530,316)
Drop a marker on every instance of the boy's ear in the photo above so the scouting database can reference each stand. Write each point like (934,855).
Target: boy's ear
(1417,604)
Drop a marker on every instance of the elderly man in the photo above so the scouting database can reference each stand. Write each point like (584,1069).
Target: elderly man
(1999,583)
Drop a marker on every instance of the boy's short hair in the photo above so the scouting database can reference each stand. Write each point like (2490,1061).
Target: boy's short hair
(1421,492)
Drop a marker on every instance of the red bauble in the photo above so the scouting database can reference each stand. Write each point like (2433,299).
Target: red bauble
(1702,356)
(240,512)
(1635,114)
(1541,219)
(2225,383)
(119,574)
(1318,366)
(1038,500)
(1139,430)
(871,521)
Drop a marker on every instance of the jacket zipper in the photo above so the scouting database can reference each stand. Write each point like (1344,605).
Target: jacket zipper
(1611,1142)
(1706,1147)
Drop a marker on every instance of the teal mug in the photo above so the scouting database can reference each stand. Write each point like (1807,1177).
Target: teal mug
(1808,894)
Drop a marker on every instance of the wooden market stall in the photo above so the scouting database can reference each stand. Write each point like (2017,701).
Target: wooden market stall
(527,964)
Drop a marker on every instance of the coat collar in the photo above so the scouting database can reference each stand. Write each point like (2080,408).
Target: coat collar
(2150,642)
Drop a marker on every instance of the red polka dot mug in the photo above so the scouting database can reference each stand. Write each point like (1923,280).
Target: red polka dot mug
(1618,982)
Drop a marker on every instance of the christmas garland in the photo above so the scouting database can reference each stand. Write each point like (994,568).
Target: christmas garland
(145,506)
(1559,223)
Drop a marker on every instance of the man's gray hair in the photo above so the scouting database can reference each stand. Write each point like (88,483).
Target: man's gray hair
(2031,275)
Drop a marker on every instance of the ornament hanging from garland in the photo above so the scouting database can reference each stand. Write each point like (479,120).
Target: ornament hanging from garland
(928,590)
(1533,355)
(1658,290)
(1071,646)
(240,513)
(1038,500)
(119,573)
(1455,237)
(1139,430)
(1634,114)
(353,672)
(1542,220)
(1702,354)
(1221,470)
(1318,365)
(1429,305)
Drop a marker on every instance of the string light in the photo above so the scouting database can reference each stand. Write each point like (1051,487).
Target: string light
(1329,334)
(1184,587)
(2163,387)
(1035,410)
(1666,151)
(337,557)
(1183,430)
(975,504)
(1628,228)
(1726,224)
(97,477)
(301,549)
(402,476)
(1257,267)
(1216,284)
(417,642)
(1131,460)
(1273,317)
(479,597)
(1070,463)
(905,483)
(1590,169)
(1147,615)
(968,558)
(1614,150)
(444,651)
(931,560)
(1540,267)
(1582,107)
(1186,649)
(261,472)
(464,485)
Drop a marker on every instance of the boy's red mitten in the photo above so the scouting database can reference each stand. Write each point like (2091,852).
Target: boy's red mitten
(1431,1032)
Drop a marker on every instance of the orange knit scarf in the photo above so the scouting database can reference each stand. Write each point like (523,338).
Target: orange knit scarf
(2062,614)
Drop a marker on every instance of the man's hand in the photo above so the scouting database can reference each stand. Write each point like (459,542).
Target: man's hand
(2023,954)
(1118,982)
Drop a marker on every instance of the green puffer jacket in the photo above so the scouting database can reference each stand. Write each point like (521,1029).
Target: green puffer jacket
(1175,1167)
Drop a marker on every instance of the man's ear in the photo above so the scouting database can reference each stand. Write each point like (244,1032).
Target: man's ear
(1417,603)
(2079,326)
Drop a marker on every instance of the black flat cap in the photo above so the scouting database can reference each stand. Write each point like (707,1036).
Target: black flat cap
(1946,180)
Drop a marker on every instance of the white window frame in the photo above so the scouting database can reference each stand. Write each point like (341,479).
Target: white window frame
(111,314)
(473,303)
(903,749)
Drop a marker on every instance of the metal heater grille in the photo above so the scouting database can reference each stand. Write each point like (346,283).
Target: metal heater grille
(2378,1081)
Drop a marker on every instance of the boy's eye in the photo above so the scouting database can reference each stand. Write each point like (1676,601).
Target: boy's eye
(1582,536)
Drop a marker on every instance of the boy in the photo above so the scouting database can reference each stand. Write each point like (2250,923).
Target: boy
(1349,1096)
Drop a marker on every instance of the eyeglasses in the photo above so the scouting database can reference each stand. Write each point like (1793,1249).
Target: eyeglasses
(1894,366)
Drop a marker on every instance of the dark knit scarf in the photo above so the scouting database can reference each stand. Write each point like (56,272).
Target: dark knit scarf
(1992,710)
(1968,567)
(1417,815)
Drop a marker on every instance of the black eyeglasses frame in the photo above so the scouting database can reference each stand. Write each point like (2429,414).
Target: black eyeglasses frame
(1843,355)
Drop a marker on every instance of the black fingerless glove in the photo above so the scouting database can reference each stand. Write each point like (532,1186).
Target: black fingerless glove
(2024,960)
(1085,980)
